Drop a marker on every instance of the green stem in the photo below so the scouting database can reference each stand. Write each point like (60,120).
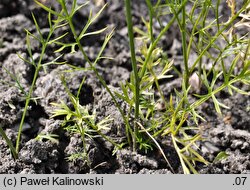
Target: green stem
(9,143)
(201,36)
(151,14)
(184,46)
(134,65)
(28,98)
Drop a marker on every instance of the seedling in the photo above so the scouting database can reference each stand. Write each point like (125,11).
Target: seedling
(177,119)
(79,120)
(181,111)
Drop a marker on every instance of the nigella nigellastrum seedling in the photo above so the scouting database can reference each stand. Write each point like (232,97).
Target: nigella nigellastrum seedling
(152,115)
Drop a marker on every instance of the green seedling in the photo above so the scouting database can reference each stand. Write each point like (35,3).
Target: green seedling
(172,122)
(45,41)
(79,120)
(177,117)
(139,92)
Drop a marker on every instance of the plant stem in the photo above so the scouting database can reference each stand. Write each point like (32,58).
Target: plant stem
(184,46)
(26,109)
(151,14)
(28,101)
(28,97)
(134,65)
(9,143)
(201,36)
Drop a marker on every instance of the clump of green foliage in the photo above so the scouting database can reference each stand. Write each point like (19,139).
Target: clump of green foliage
(45,40)
(139,92)
(79,120)
(178,115)
(80,114)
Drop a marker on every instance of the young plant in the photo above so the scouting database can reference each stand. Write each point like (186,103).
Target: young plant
(173,122)
(45,40)
(67,16)
(176,118)
(78,120)
(60,19)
